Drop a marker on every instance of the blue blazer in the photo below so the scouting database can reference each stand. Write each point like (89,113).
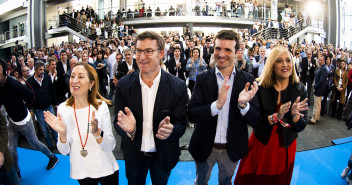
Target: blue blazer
(171,100)
(204,94)
(320,81)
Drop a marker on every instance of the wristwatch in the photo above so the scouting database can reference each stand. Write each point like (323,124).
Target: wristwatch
(100,135)
(244,105)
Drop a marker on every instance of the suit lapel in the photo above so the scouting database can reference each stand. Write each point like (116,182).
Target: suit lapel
(136,102)
(161,98)
(236,86)
(213,83)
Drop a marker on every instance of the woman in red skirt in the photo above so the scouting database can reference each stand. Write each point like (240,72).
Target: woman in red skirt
(272,146)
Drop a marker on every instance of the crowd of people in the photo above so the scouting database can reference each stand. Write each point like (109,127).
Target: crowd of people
(235,80)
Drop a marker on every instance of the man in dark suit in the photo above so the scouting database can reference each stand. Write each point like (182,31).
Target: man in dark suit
(319,88)
(129,65)
(207,49)
(221,106)
(62,67)
(150,112)
(307,74)
(189,49)
(177,65)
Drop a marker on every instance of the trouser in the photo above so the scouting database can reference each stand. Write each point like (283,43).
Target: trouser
(225,165)
(9,177)
(26,130)
(149,162)
(308,83)
(316,109)
(45,128)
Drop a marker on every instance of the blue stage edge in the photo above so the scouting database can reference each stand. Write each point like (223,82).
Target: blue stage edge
(314,167)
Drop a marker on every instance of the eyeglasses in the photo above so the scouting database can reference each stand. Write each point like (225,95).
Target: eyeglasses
(147,52)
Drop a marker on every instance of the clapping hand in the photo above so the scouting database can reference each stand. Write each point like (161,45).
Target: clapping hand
(222,97)
(284,108)
(127,122)
(247,95)
(57,123)
(298,107)
(94,129)
(165,129)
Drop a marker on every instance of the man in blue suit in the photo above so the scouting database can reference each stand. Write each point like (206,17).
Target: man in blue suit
(222,105)
(319,89)
(150,112)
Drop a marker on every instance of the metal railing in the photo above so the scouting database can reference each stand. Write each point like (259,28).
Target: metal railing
(13,33)
(289,29)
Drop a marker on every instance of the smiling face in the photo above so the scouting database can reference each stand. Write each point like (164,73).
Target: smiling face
(149,64)
(283,66)
(79,82)
(224,53)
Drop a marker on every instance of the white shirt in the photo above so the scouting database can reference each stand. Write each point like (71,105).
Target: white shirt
(130,66)
(112,65)
(31,71)
(39,82)
(148,101)
(65,66)
(100,160)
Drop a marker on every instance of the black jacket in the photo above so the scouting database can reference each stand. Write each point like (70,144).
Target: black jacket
(171,100)
(124,68)
(44,95)
(180,71)
(268,102)
(199,111)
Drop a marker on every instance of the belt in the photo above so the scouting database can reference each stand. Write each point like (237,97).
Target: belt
(220,145)
(149,154)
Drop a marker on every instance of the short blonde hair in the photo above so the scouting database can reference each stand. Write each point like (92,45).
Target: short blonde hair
(267,78)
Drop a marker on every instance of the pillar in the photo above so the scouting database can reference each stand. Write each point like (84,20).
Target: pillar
(274,10)
(101,9)
(36,16)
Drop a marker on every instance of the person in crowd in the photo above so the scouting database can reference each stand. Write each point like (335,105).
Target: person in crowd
(45,99)
(194,65)
(329,83)
(150,143)
(222,105)
(297,60)
(14,95)
(241,62)
(7,170)
(25,73)
(62,67)
(30,64)
(308,67)
(319,89)
(258,65)
(340,80)
(100,65)
(85,131)
(283,110)
(346,172)
(129,65)
(177,65)
(207,49)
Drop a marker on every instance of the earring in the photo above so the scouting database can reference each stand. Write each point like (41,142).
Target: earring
(90,90)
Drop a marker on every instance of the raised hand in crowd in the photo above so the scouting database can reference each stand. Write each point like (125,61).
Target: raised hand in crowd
(165,129)
(127,121)
(247,95)
(298,107)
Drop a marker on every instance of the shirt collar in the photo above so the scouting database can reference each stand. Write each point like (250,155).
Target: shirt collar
(155,81)
(217,71)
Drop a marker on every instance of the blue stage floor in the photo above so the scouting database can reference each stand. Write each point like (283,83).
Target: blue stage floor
(314,167)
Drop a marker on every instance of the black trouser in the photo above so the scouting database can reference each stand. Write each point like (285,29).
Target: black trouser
(307,81)
(340,108)
(191,85)
(112,179)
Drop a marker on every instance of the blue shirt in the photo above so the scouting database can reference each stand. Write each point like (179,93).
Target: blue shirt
(195,68)
(223,114)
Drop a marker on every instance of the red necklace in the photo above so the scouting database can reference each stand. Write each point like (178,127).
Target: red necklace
(84,152)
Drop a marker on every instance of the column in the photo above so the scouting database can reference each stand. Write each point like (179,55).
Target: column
(333,25)
(101,9)
(36,17)
(273,11)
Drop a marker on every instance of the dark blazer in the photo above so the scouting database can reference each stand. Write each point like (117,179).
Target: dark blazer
(124,68)
(304,66)
(181,70)
(320,81)
(60,86)
(171,100)
(205,51)
(204,94)
(45,95)
(268,102)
